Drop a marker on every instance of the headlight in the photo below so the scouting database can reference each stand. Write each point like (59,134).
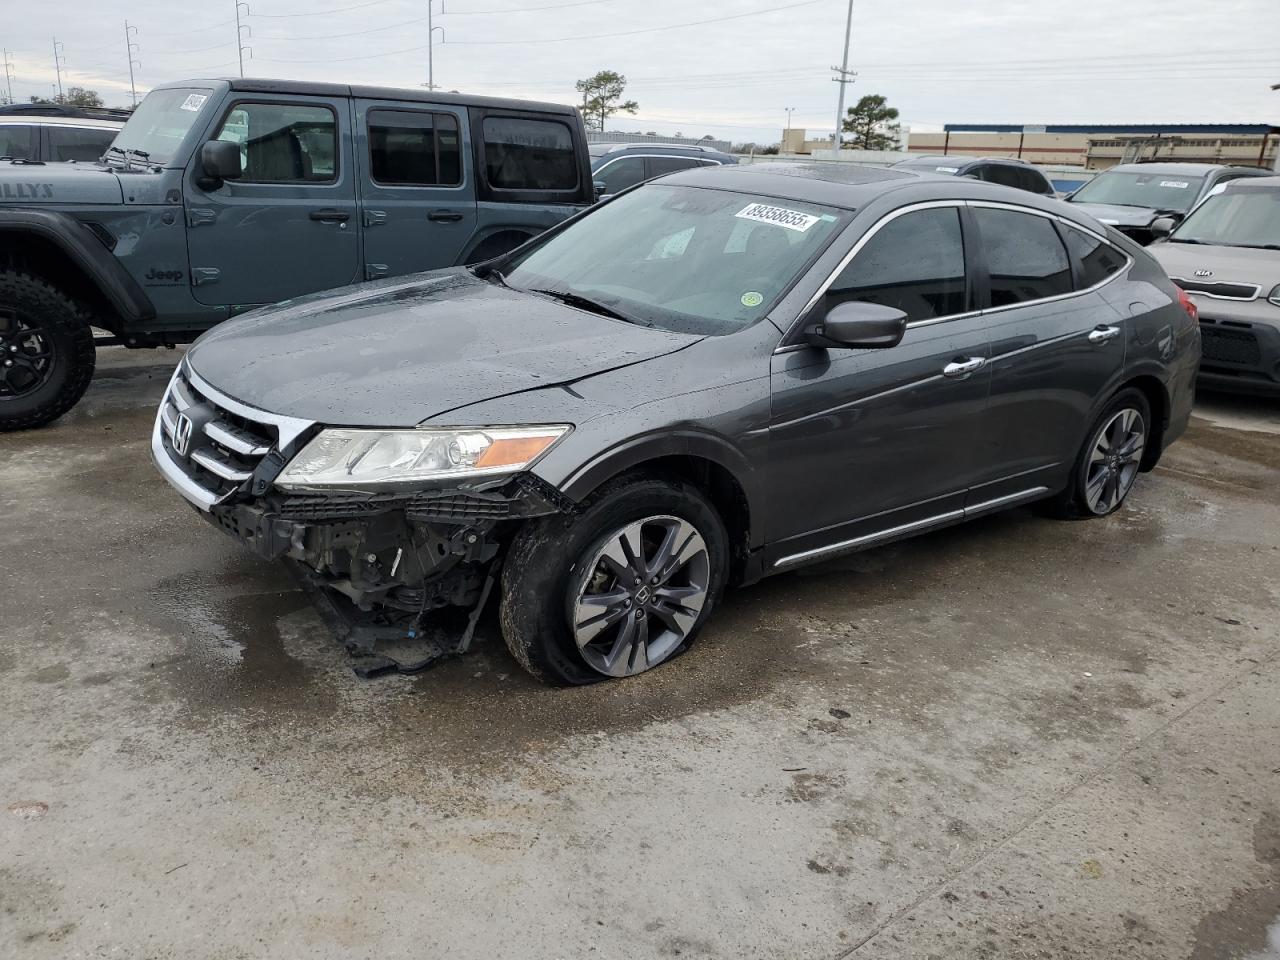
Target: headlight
(401,459)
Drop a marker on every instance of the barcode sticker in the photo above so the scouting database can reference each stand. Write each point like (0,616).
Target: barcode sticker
(778,216)
(1176,184)
(194,102)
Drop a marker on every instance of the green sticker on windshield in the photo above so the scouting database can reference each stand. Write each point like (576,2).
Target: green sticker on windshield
(752,299)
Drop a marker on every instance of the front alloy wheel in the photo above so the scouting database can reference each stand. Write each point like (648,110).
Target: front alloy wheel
(26,355)
(640,594)
(1114,460)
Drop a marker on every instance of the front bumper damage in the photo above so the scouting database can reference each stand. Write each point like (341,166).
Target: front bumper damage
(376,565)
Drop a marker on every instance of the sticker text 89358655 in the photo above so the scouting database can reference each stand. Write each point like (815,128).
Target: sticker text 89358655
(778,216)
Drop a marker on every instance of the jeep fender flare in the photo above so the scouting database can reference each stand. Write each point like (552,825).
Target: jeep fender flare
(87,254)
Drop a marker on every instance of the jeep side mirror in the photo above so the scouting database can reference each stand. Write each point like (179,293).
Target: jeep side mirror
(600,187)
(855,323)
(219,161)
(1161,227)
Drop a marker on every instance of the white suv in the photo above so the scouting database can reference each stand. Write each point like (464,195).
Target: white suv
(50,132)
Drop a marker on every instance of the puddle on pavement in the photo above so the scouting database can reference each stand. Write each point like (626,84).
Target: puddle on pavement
(1248,927)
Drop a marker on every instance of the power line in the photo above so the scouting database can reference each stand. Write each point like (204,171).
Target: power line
(632,33)
(318,13)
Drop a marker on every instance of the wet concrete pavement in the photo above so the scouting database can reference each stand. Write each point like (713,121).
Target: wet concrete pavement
(1015,738)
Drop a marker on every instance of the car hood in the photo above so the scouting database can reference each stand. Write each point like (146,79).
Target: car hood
(1119,216)
(1188,261)
(397,352)
(29,183)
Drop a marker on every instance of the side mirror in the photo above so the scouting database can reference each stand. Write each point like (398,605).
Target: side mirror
(219,161)
(1161,227)
(868,326)
(600,187)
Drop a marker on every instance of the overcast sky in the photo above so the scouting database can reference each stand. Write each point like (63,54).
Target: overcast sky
(938,61)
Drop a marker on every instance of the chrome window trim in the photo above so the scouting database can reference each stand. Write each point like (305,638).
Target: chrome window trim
(936,204)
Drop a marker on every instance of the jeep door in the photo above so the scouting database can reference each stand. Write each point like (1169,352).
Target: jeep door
(417,186)
(289,224)
(864,441)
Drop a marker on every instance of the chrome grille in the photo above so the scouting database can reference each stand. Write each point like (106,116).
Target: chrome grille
(208,446)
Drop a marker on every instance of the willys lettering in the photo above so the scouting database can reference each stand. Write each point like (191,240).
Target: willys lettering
(26,191)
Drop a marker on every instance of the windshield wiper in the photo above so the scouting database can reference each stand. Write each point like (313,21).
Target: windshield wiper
(1256,246)
(1185,240)
(129,153)
(571,299)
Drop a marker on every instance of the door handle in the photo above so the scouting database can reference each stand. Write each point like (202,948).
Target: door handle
(959,369)
(330,216)
(1103,334)
(444,216)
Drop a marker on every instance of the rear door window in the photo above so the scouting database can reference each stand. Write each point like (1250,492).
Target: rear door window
(84,144)
(1094,260)
(914,263)
(1025,258)
(526,154)
(1004,175)
(414,148)
(660,165)
(1034,181)
(15,141)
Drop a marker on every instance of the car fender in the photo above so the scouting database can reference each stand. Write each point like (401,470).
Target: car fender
(86,252)
(633,452)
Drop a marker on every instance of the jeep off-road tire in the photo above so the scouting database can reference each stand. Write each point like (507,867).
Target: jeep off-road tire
(48,353)
(552,567)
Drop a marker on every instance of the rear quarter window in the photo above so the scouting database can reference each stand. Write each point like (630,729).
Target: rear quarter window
(522,153)
(1094,260)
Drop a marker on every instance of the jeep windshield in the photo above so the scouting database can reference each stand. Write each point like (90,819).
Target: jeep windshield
(1171,192)
(157,128)
(1240,218)
(684,259)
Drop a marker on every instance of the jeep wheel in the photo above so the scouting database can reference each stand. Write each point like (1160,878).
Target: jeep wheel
(46,352)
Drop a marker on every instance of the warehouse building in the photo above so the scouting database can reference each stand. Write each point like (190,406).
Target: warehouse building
(1098,146)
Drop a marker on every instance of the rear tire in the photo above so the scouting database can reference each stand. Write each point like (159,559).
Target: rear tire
(46,351)
(1110,460)
(560,570)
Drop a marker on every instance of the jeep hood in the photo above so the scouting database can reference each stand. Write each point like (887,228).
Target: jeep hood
(35,183)
(1117,215)
(397,352)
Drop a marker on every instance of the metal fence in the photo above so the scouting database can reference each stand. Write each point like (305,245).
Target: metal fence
(612,136)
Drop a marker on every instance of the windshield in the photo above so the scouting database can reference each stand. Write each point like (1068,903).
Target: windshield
(686,259)
(1173,192)
(160,123)
(1243,218)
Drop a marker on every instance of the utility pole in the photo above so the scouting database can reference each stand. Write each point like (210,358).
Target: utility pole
(8,75)
(790,110)
(431,43)
(57,66)
(240,34)
(1276,166)
(844,76)
(131,48)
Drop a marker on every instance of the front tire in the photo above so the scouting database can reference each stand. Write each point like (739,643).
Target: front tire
(1110,460)
(46,352)
(617,589)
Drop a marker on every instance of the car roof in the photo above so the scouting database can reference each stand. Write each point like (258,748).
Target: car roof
(1252,183)
(851,187)
(47,110)
(958,161)
(1187,169)
(43,121)
(687,147)
(405,94)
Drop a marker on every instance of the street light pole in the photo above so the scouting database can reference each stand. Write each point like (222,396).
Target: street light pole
(57,65)
(790,110)
(843,78)
(1276,166)
(431,44)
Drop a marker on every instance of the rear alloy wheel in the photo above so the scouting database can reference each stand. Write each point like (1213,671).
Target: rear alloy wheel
(46,351)
(640,595)
(1114,461)
(1110,461)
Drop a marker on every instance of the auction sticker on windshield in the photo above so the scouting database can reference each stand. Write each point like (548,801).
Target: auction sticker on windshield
(194,102)
(778,216)
(1176,184)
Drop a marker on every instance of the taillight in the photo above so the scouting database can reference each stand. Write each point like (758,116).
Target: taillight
(1188,305)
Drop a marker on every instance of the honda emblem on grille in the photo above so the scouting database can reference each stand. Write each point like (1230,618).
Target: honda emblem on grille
(1204,273)
(182,434)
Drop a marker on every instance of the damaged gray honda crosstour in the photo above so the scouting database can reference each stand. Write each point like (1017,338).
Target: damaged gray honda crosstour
(712,377)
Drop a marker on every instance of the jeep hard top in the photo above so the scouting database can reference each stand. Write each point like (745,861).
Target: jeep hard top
(219,196)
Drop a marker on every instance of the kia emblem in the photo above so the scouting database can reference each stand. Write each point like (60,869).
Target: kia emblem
(1204,273)
(182,434)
